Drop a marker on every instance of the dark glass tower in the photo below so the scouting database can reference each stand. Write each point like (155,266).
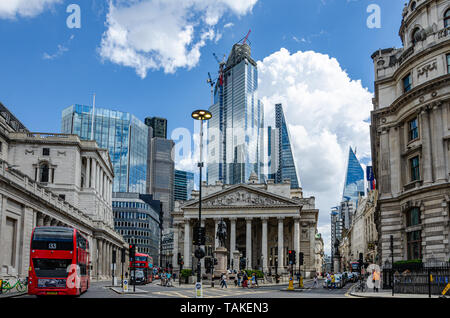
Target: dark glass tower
(183,185)
(281,158)
(159,126)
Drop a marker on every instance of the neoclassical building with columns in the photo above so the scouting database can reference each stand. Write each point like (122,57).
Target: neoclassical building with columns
(53,180)
(410,137)
(263,221)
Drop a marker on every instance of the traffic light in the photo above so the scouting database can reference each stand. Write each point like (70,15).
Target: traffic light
(300,258)
(215,261)
(291,258)
(122,258)
(199,253)
(132,252)
(179,259)
(199,236)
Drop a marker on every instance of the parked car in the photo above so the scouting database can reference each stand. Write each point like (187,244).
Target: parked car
(339,280)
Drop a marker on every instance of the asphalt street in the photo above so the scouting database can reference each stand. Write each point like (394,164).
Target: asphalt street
(154,290)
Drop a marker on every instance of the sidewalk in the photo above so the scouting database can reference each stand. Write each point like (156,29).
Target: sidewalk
(12,294)
(388,294)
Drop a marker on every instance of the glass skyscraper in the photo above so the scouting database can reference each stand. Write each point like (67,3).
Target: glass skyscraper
(124,135)
(281,158)
(235,132)
(354,179)
(183,185)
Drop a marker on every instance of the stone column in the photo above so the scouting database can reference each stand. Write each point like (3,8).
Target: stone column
(175,265)
(187,244)
(280,245)
(264,244)
(297,238)
(426,173)
(40,219)
(248,244)
(88,172)
(100,259)
(438,143)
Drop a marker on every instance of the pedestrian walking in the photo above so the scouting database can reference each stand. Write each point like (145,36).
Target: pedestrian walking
(315,282)
(239,276)
(333,280)
(328,280)
(256,280)
(244,280)
(253,282)
(224,281)
(376,280)
(168,284)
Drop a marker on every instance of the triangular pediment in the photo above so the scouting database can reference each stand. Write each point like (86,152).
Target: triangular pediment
(242,196)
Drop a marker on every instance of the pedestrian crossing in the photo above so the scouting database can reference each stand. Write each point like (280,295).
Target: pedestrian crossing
(209,292)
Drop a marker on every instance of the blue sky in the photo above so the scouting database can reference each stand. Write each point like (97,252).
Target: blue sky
(36,90)
(314,56)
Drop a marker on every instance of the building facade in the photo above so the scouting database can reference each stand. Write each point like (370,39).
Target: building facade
(183,185)
(362,235)
(53,180)
(124,135)
(410,136)
(235,131)
(159,126)
(161,175)
(137,219)
(263,222)
(281,162)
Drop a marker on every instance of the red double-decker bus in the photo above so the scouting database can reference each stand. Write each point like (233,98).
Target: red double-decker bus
(144,268)
(59,262)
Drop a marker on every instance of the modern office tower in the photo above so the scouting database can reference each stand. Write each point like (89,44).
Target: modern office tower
(136,218)
(159,126)
(348,208)
(281,158)
(183,185)
(354,180)
(124,135)
(161,175)
(235,132)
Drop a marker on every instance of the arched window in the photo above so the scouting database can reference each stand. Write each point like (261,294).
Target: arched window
(416,36)
(413,6)
(44,172)
(447,18)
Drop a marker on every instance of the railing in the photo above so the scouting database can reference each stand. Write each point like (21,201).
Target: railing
(417,278)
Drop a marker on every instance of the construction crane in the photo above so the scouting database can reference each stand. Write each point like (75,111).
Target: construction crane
(221,67)
(246,37)
(211,83)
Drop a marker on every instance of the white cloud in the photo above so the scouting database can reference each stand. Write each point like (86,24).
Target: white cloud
(168,34)
(62,48)
(325,111)
(11,9)
(228,25)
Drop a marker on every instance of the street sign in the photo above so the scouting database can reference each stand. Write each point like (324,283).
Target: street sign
(198,290)
(125,285)
(446,289)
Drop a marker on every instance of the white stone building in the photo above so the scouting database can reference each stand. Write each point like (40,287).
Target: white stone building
(264,221)
(410,133)
(53,180)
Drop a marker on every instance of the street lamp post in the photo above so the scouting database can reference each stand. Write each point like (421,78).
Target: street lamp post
(200,115)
